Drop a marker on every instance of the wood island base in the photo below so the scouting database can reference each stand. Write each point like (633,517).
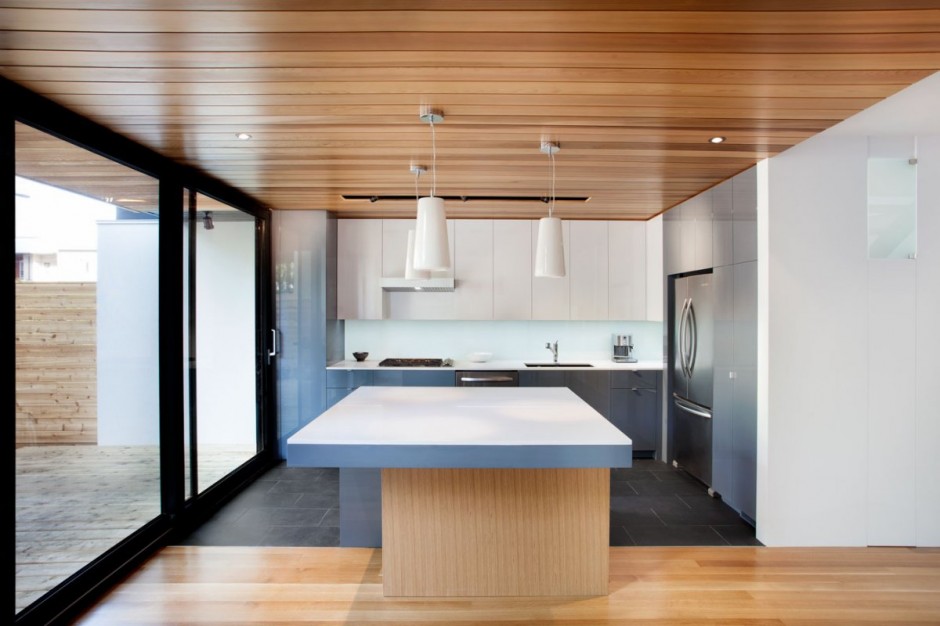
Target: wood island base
(495,532)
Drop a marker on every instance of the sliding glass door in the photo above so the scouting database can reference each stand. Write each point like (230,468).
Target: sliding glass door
(87,347)
(220,344)
(143,387)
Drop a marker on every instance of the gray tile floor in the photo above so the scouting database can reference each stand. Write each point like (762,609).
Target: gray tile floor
(651,504)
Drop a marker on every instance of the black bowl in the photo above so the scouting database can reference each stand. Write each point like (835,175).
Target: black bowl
(360,356)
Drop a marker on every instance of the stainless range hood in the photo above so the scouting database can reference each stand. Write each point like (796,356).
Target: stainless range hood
(418,285)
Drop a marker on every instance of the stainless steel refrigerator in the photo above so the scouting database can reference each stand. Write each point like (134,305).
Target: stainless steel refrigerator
(692,374)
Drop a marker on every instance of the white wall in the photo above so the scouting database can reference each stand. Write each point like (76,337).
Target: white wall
(128,334)
(848,432)
(128,337)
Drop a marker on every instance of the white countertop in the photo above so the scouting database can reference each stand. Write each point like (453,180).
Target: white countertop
(508,364)
(460,427)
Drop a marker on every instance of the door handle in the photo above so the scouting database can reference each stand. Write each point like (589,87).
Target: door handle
(693,336)
(483,379)
(274,344)
(691,407)
(681,337)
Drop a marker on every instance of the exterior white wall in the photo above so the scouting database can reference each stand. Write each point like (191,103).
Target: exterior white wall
(848,429)
(128,334)
(225,339)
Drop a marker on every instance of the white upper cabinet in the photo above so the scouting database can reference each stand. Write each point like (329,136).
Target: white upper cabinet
(722,223)
(551,297)
(512,269)
(654,269)
(626,246)
(589,264)
(474,264)
(745,216)
(359,269)
(608,266)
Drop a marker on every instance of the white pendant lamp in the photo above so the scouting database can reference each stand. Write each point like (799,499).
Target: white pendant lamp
(550,245)
(431,247)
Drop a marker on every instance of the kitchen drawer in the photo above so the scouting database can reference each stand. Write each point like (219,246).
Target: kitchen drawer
(387,378)
(348,379)
(412,378)
(635,379)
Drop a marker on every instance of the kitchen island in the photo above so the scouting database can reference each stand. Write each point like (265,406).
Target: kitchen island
(484,491)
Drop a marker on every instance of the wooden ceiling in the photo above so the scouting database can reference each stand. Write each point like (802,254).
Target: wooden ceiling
(332,92)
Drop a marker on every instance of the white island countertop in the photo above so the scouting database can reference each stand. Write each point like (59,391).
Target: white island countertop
(503,427)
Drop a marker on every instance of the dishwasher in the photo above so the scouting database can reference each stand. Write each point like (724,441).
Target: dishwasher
(487,378)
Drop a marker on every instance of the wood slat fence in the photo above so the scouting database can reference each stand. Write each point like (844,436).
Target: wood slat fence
(56,370)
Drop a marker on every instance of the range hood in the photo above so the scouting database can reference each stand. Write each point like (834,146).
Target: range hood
(418,284)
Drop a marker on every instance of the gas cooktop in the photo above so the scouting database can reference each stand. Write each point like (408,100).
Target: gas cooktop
(415,363)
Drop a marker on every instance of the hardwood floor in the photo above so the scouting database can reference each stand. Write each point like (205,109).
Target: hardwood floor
(654,585)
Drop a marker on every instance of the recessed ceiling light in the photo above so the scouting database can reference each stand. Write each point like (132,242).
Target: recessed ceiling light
(243,136)
(716,140)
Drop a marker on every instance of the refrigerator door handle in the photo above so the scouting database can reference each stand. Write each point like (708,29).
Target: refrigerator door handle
(693,333)
(681,338)
(691,407)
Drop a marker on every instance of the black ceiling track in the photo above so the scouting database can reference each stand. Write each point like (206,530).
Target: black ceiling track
(544,199)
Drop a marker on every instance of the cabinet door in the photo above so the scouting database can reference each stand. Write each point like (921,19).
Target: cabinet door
(699,213)
(636,413)
(473,264)
(745,216)
(722,216)
(591,386)
(632,379)
(626,251)
(588,264)
(542,378)
(512,264)
(550,296)
(359,269)
(654,269)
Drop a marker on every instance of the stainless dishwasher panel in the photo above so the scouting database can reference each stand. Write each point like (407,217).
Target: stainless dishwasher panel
(487,378)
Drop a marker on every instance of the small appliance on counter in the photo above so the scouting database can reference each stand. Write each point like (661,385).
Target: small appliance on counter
(623,349)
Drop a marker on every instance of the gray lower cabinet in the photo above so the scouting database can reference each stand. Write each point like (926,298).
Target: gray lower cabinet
(629,399)
(340,383)
(592,386)
(635,408)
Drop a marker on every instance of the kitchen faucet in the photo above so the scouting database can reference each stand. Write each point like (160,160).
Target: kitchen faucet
(554,348)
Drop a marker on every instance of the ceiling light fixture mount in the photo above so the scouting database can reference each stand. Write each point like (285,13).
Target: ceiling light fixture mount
(431,246)
(550,245)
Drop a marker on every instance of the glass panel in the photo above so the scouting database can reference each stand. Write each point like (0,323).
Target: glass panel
(87,402)
(222,314)
(892,199)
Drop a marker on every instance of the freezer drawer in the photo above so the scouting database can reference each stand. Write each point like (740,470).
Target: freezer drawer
(693,439)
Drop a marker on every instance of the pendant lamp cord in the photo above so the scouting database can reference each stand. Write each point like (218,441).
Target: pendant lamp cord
(551,206)
(433,160)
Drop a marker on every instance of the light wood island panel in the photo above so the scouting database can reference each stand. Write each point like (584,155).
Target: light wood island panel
(495,532)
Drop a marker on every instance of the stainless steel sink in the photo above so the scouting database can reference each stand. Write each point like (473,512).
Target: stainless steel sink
(558,365)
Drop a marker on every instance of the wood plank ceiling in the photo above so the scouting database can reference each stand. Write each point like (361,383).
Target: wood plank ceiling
(331,92)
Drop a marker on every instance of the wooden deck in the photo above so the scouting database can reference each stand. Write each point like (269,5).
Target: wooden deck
(75,502)
(728,585)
